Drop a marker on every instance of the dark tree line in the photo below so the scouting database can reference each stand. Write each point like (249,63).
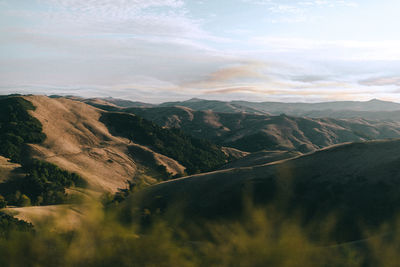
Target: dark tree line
(197,155)
(17,127)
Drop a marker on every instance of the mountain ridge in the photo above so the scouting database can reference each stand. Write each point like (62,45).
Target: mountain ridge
(252,132)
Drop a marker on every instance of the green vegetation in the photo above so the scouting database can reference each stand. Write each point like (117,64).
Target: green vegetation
(255,142)
(17,127)
(111,201)
(44,184)
(195,154)
(3,202)
(10,225)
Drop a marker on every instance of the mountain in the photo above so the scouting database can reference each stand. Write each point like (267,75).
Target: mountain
(100,169)
(122,102)
(107,103)
(213,105)
(251,132)
(373,109)
(390,116)
(197,155)
(90,142)
(77,141)
(61,150)
(290,108)
(358,183)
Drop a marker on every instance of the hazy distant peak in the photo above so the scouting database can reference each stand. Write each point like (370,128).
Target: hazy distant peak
(194,99)
(376,100)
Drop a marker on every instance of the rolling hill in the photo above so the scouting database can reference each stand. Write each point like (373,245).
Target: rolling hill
(78,142)
(250,132)
(66,140)
(261,158)
(373,109)
(71,135)
(373,105)
(61,143)
(358,183)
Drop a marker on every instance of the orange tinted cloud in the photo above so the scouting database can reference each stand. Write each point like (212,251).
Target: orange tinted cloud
(381,81)
(250,70)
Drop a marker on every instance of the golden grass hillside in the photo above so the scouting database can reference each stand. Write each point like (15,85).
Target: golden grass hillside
(76,141)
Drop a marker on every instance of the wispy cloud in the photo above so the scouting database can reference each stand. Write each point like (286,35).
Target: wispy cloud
(330,49)
(303,4)
(138,17)
(381,81)
(289,11)
(174,49)
(238,71)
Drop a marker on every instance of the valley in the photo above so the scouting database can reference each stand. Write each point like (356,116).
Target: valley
(197,168)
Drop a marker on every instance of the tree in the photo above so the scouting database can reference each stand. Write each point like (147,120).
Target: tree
(3,202)
(24,201)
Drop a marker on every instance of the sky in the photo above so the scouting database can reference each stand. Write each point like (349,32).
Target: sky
(168,50)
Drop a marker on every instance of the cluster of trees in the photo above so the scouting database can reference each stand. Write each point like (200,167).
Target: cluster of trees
(110,200)
(17,127)
(255,142)
(44,184)
(9,225)
(197,155)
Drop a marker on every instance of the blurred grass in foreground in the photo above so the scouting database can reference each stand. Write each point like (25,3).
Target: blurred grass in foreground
(264,238)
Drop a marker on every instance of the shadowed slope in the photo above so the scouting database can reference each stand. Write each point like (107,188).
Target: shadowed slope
(357,182)
(261,158)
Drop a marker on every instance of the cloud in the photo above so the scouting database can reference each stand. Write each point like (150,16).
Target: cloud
(94,42)
(309,78)
(289,11)
(250,71)
(230,90)
(168,18)
(381,81)
(242,71)
(121,4)
(264,92)
(303,4)
(347,50)
(157,49)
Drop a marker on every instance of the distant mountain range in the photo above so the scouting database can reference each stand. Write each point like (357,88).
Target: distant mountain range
(251,132)
(373,109)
